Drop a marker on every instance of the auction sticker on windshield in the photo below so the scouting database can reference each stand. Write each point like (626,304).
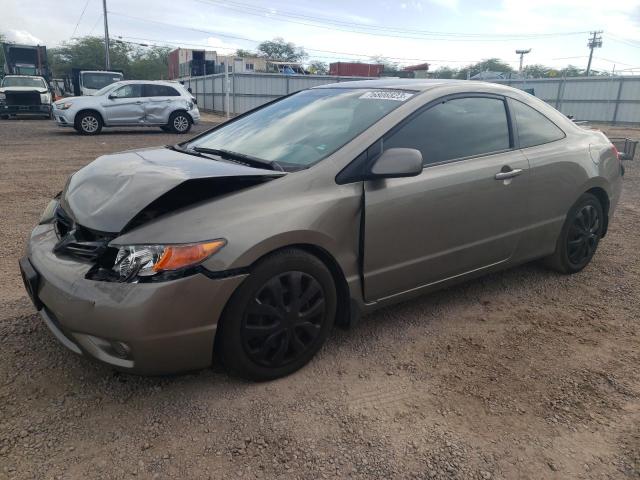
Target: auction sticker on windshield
(388,95)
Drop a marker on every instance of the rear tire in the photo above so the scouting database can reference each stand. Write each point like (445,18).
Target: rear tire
(580,236)
(88,123)
(278,318)
(179,122)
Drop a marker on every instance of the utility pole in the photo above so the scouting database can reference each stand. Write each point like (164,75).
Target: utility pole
(594,42)
(107,62)
(522,53)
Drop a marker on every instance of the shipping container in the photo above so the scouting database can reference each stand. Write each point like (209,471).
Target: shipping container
(355,69)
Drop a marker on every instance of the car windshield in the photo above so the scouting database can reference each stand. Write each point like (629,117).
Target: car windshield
(302,129)
(23,82)
(97,80)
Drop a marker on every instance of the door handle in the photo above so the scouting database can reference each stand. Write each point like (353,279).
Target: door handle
(138,102)
(510,174)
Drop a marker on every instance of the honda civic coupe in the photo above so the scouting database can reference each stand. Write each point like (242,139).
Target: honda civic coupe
(248,243)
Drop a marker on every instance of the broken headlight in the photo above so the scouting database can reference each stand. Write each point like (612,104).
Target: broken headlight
(147,260)
(49,212)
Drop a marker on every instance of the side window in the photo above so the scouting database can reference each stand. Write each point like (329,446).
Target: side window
(128,91)
(533,127)
(457,128)
(153,90)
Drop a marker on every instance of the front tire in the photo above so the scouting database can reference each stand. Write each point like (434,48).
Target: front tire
(580,236)
(279,317)
(179,122)
(88,123)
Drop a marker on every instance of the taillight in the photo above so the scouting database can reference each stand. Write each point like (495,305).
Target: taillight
(615,150)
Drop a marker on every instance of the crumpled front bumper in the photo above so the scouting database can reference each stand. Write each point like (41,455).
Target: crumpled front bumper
(144,328)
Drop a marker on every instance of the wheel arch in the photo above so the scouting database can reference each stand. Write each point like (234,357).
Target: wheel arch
(85,110)
(602,196)
(180,110)
(344,305)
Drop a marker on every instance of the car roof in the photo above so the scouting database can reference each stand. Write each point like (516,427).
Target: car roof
(24,76)
(418,84)
(158,82)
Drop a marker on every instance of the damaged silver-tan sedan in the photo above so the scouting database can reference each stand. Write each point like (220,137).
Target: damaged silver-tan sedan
(247,244)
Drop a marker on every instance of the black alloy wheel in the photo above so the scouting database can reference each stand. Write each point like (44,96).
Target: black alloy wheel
(580,236)
(283,320)
(584,235)
(278,317)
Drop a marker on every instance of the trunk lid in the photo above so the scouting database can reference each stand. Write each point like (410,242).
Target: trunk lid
(113,190)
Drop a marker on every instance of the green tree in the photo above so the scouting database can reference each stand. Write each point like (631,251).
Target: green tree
(571,71)
(241,52)
(490,64)
(150,63)
(536,71)
(280,50)
(88,53)
(445,72)
(318,68)
(136,62)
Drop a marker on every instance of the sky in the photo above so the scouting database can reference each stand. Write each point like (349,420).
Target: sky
(441,32)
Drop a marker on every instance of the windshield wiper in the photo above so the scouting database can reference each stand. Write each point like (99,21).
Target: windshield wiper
(240,157)
(179,148)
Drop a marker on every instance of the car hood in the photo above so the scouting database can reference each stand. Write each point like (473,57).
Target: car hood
(87,98)
(116,192)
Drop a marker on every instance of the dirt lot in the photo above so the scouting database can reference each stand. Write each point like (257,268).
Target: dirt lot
(524,374)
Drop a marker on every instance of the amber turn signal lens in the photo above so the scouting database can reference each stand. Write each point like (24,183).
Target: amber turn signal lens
(175,257)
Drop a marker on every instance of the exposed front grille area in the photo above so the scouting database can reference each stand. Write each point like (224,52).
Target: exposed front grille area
(78,241)
(22,98)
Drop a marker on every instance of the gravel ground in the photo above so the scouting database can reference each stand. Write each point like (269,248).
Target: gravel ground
(522,374)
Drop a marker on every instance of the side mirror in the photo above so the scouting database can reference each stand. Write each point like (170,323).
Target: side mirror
(111,96)
(397,163)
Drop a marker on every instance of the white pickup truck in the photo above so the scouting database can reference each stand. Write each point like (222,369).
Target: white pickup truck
(24,94)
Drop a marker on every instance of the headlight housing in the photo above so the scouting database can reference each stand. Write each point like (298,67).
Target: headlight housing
(63,106)
(45,98)
(49,212)
(3,96)
(134,261)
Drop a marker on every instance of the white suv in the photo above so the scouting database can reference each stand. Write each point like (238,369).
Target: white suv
(167,105)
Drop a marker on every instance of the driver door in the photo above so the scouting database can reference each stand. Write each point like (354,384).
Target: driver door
(464,213)
(125,105)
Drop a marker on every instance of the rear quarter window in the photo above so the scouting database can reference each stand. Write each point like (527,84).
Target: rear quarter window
(533,127)
(160,91)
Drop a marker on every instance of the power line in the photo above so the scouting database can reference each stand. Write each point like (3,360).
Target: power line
(332,24)
(206,45)
(80,18)
(95,24)
(624,41)
(246,39)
